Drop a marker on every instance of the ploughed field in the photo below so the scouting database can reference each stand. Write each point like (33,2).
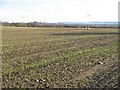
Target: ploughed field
(59,57)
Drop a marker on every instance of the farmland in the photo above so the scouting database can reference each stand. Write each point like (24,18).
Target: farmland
(59,57)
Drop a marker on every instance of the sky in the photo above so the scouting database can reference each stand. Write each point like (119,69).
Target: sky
(58,10)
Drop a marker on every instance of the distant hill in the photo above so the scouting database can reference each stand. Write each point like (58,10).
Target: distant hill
(88,23)
(64,24)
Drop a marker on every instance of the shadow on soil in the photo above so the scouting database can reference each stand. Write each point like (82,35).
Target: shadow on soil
(89,33)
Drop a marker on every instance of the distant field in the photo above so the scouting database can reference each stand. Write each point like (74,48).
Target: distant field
(59,57)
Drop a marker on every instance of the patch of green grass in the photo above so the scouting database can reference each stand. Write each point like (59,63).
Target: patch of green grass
(53,57)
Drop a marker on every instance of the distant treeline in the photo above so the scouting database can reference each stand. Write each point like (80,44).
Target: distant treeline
(43,24)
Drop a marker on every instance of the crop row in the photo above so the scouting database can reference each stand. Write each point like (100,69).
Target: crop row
(67,65)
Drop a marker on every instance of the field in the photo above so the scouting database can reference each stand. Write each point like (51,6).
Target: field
(59,57)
